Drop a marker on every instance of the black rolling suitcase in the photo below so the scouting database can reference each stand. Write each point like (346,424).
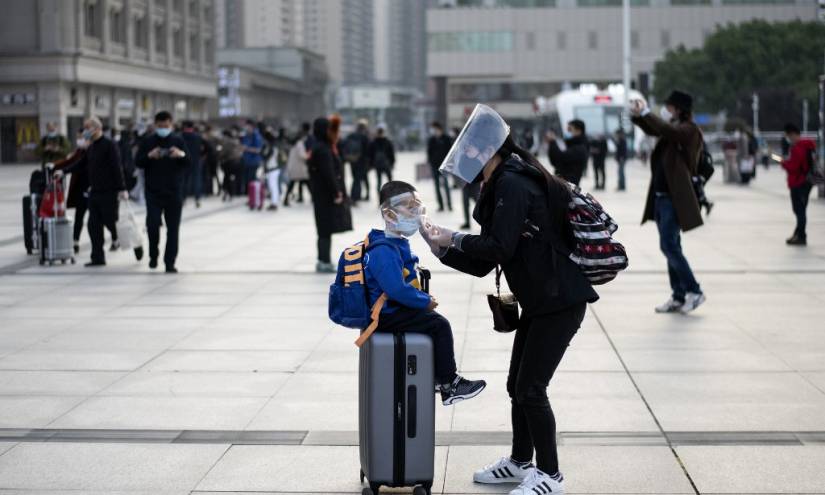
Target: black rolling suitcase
(396,406)
(30,232)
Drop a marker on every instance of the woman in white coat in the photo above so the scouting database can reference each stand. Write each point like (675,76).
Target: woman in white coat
(296,165)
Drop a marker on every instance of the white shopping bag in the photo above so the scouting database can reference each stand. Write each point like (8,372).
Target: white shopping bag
(129,232)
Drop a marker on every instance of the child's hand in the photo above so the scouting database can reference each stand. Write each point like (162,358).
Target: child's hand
(433,304)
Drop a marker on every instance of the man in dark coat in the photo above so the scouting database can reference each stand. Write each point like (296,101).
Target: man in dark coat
(381,155)
(570,163)
(326,177)
(438,145)
(164,160)
(193,181)
(106,184)
(355,148)
(620,139)
(671,201)
(598,151)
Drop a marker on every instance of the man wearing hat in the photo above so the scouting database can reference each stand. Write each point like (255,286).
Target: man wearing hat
(671,202)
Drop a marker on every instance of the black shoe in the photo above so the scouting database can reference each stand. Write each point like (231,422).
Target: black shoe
(95,263)
(708,207)
(76,248)
(461,389)
(139,253)
(153,263)
(171,269)
(197,203)
(464,226)
(440,209)
(115,246)
(272,207)
(796,241)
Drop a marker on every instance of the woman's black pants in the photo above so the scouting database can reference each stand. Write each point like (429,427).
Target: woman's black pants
(538,347)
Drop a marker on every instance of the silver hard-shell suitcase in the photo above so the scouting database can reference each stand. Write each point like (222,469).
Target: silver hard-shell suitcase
(56,243)
(396,406)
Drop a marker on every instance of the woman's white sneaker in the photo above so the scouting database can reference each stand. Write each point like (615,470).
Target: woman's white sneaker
(503,471)
(539,483)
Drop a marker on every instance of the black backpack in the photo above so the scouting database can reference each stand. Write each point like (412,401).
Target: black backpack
(352,149)
(705,168)
(815,175)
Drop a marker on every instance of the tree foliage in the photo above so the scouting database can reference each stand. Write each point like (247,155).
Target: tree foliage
(740,59)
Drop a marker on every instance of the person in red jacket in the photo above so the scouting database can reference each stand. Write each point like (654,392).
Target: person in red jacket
(797,166)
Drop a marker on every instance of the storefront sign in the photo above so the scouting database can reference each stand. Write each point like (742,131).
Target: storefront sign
(18,98)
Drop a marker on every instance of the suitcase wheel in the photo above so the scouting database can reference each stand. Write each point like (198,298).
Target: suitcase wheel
(368,491)
(420,490)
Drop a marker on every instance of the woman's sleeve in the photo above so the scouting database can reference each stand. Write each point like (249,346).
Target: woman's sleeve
(467,264)
(498,243)
(323,163)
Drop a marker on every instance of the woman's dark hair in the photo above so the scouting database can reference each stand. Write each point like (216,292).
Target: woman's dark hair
(558,191)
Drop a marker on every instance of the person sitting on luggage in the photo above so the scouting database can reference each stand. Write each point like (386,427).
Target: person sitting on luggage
(392,270)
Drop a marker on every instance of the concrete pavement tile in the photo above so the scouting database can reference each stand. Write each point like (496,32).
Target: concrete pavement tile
(95,492)
(229,360)
(185,299)
(6,446)
(579,401)
(586,470)
(818,379)
(198,384)
(710,337)
(756,469)
(323,360)
(257,468)
(142,324)
(55,382)
(169,312)
(107,467)
(103,340)
(181,413)
(34,412)
(18,338)
(705,360)
(59,312)
(76,360)
(733,401)
(263,337)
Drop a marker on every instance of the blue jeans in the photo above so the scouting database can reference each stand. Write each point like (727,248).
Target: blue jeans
(670,242)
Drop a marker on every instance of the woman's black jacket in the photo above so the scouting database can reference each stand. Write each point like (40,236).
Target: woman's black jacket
(541,276)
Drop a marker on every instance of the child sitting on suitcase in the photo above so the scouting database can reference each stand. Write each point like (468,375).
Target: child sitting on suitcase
(392,270)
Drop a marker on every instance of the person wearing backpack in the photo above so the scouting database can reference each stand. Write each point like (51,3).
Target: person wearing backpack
(671,200)
(355,152)
(800,161)
(552,290)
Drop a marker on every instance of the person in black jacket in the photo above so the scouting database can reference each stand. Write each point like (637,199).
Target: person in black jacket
(194,172)
(598,150)
(522,212)
(164,161)
(620,138)
(381,155)
(438,145)
(570,163)
(326,177)
(106,184)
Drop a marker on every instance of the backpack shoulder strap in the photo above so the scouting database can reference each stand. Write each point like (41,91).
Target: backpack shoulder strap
(375,312)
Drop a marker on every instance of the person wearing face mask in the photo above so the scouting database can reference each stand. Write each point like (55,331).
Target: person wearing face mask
(438,145)
(106,184)
(390,268)
(671,201)
(53,146)
(162,158)
(78,184)
(571,162)
(522,212)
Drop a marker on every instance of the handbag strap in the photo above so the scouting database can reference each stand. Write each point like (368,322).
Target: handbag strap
(498,280)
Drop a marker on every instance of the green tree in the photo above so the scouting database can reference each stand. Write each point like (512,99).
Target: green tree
(738,60)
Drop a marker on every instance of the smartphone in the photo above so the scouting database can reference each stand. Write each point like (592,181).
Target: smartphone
(776,158)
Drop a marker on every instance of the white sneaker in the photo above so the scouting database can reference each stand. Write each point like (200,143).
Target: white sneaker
(538,483)
(503,471)
(692,301)
(671,306)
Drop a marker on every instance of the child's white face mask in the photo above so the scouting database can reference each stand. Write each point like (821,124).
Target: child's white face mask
(402,214)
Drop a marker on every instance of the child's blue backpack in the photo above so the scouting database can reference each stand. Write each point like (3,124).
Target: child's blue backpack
(348,295)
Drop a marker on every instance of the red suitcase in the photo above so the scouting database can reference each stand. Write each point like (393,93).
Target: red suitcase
(256,194)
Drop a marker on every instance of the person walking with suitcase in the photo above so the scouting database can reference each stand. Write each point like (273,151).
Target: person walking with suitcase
(106,185)
(551,288)
(164,162)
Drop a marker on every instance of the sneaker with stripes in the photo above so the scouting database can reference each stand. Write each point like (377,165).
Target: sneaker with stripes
(504,471)
(540,483)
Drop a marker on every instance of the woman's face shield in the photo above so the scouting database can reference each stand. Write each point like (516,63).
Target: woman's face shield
(482,135)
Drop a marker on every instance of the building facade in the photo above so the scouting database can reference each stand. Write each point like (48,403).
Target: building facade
(507,52)
(401,43)
(121,60)
(257,23)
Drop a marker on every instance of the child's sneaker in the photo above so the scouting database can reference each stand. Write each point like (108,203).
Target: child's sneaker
(538,482)
(503,471)
(461,389)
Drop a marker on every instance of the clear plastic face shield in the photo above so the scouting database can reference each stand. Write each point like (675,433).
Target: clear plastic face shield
(482,135)
(403,214)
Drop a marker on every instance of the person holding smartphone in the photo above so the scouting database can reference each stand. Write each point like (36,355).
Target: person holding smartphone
(797,166)
(671,202)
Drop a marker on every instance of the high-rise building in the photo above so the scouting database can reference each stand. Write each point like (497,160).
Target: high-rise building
(400,42)
(121,60)
(507,52)
(258,23)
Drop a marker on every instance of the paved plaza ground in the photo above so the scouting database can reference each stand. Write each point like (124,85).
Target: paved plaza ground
(229,378)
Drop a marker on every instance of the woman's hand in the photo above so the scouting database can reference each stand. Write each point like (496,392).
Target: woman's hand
(440,236)
(637,107)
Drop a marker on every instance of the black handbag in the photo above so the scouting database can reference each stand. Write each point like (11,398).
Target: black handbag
(341,217)
(504,308)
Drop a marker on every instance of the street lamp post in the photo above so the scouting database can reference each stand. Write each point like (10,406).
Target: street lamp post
(626,60)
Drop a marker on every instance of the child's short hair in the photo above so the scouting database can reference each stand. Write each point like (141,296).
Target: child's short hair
(394,188)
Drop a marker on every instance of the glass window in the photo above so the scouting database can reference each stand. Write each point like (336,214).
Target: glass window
(208,51)
(194,47)
(592,40)
(745,2)
(141,39)
(91,21)
(530,41)
(634,39)
(177,42)
(690,2)
(493,41)
(665,37)
(561,40)
(116,28)
(160,37)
